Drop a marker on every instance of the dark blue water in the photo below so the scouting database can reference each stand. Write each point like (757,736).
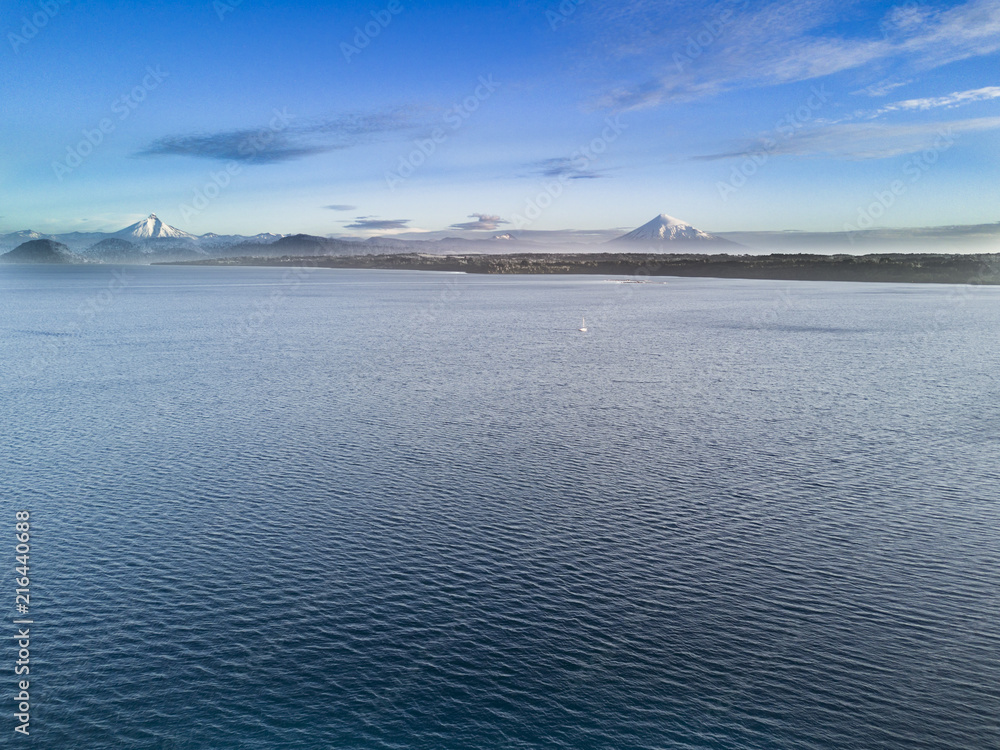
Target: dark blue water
(344,509)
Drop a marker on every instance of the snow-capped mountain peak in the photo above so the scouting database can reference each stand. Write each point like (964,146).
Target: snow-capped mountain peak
(151,228)
(26,235)
(665,228)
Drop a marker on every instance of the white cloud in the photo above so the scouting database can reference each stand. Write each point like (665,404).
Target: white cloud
(783,43)
(968,30)
(955,99)
(862,141)
(483,222)
(882,88)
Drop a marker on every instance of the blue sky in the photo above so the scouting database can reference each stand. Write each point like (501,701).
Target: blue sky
(358,118)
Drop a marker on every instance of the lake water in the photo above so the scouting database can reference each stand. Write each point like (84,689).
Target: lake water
(357,509)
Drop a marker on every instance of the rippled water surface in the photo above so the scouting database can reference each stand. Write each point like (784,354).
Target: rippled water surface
(347,509)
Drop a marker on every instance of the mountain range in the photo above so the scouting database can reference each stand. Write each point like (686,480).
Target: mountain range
(151,240)
(145,241)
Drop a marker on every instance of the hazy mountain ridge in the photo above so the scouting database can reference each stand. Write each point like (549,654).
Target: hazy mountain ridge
(151,240)
(148,240)
(40,251)
(115,250)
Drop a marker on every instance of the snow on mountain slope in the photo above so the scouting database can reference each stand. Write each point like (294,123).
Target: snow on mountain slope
(665,228)
(151,228)
(26,235)
(212,239)
(12,240)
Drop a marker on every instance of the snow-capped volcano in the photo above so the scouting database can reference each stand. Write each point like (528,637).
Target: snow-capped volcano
(665,229)
(151,228)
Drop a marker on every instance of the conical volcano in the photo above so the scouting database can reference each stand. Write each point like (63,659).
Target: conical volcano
(666,228)
(151,228)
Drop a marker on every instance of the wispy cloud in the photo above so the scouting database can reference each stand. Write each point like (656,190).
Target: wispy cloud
(236,145)
(882,88)
(483,222)
(565,167)
(364,222)
(788,41)
(341,207)
(955,99)
(859,141)
(286,137)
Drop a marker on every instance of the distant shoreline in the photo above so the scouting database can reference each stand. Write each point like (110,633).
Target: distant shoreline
(895,267)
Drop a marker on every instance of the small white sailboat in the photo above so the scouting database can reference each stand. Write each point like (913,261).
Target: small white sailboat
(583,327)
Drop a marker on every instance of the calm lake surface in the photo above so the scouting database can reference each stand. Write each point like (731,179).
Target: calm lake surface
(357,509)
